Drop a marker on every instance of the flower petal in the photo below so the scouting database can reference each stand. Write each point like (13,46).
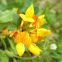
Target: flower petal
(41,17)
(43,32)
(26,19)
(34,49)
(34,37)
(30,12)
(5,31)
(20,49)
(25,38)
(16,35)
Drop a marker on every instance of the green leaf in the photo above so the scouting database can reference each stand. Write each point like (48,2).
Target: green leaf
(3,25)
(3,7)
(8,53)
(3,58)
(37,9)
(2,40)
(17,20)
(12,27)
(26,5)
(7,16)
(57,56)
(12,45)
(4,2)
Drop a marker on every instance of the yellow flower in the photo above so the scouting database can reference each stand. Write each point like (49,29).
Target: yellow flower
(29,37)
(23,38)
(16,36)
(34,49)
(38,21)
(36,38)
(43,32)
(5,31)
(28,15)
(39,34)
(20,49)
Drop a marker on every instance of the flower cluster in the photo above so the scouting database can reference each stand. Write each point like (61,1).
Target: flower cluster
(30,32)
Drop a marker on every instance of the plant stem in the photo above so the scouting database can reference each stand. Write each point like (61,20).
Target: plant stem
(12,55)
(3,42)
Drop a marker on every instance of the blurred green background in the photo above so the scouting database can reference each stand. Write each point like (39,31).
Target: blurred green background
(53,14)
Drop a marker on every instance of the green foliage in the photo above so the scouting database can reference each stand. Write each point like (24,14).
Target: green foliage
(3,58)
(21,60)
(12,44)
(26,5)
(12,27)
(2,40)
(9,18)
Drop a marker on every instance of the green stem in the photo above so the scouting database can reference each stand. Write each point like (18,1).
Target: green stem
(12,55)
(3,42)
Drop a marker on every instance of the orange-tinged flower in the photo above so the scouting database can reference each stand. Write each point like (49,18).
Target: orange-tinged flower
(38,21)
(26,37)
(23,38)
(39,34)
(5,31)
(30,17)
(36,38)
(16,36)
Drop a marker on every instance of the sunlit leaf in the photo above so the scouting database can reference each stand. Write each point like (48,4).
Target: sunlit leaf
(7,16)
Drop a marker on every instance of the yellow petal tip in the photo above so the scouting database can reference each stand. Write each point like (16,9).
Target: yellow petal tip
(30,12)
(34,49)
(20,49)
